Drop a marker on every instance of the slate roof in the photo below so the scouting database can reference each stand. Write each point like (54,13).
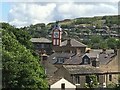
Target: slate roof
(74,60)
(81,69)
(52,57)
(91,55)
(52,79)
(77,59)
(40,40)
(100,50)
(104,58)
(74,43)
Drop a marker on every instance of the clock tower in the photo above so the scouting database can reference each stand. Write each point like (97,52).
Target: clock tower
(56,35)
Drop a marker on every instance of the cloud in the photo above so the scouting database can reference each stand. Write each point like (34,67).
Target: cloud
(22,14)
(60,0)
(30,13)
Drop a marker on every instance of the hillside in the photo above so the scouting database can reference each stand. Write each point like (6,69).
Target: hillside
(97,20)
(83,29)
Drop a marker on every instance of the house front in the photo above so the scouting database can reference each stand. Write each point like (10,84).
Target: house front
(81,75)
(62,84)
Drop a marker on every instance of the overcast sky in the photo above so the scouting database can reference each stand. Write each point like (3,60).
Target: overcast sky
(38,11)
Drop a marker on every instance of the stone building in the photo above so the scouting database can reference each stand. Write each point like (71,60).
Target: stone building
(72,62)
(42,45)
(71,46)
(101,63)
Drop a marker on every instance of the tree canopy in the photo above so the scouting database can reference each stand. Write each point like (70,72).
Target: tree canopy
(20,68)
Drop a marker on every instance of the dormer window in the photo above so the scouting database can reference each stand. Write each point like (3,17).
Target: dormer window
(60,60)
(77,79)
(86,60)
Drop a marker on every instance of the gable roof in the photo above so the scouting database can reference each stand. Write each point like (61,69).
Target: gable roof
(74,43)
(52,79)
(91,55)
(104,58)
(62,80)
(40,40)
(81,69)
(49,68)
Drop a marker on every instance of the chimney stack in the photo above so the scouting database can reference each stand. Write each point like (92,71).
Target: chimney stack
(43,59)
(68,42)
(104,51)
(115,51)
(96,62)
(88,51)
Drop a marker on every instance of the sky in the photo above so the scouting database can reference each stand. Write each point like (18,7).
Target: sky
(26,12)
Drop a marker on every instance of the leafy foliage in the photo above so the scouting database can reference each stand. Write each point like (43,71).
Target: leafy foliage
(97,42)
(37,30)
(20,68)
(21,35)
(82,29)
(112,43)
(93,82)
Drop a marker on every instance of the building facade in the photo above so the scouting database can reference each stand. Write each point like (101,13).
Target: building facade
(63,84)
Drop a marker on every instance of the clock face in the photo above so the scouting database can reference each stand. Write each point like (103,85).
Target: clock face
(56,34)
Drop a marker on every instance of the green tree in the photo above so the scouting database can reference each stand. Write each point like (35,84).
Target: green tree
(118,43)
(103,44)
(96,42)
(111,42)
(21,35)
(95,39)
(20,68)
(93,82)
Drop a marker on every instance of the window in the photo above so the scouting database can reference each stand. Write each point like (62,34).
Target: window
(110,77)
(77,79)
(86,60)
(98,78)
(60,60)
(63,86)
(88,80)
